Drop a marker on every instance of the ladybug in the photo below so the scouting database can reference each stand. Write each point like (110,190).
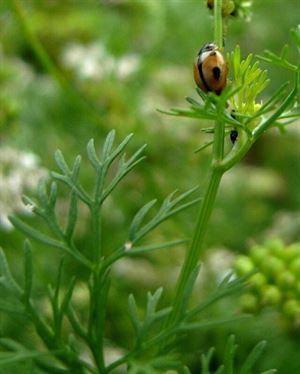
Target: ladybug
(210,69)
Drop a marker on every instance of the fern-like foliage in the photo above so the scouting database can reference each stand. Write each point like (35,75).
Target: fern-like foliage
(62,353)
(282,59)
(95,260)
(229,366)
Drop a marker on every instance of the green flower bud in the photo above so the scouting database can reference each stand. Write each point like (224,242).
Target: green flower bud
(249,303)
(276,246)
(272,266)
(271,295)
(258,280)
(228,7)
(286,280)
(291,308)
(291,252)
(258,254)
(243,265)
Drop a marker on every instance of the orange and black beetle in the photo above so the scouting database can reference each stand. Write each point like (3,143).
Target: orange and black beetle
(210,69)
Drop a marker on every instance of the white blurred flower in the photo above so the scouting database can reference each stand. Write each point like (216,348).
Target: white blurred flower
(93,61)
(19,171)
(127,65)
(217,265)
(88,61)
(136,270)
(220,263)
(253,180)
(285,225)
(112,354)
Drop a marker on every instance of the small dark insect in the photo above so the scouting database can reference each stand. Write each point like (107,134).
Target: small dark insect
(233,136)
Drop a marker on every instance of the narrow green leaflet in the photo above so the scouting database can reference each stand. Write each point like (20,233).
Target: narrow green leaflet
(229,355)
(138,218)
(61,163)
(252,358)
(6,277)
(108,144)
(37,235)
(9,358)
(72,216)
(92,155)
(205,361)
(133,313)
(27,270)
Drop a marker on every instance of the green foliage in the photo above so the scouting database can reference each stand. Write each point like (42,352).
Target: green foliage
(282,59)
(250,79)
(229,366)
(150,332)
(74,337)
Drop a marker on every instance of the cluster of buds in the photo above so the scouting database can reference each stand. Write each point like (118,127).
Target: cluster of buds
(275,280)
(236,8)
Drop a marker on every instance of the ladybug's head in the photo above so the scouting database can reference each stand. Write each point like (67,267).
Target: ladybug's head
(207,50)
(208,47)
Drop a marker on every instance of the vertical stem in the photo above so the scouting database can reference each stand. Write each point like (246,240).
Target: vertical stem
(98,283)
(218,146)
(193,254)
(218,23)
(97,309)
(96,234)
(98,293)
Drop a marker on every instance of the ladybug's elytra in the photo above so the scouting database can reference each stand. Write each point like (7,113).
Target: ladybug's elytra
(210,69)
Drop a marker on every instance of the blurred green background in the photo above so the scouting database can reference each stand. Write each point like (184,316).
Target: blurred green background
(116,62)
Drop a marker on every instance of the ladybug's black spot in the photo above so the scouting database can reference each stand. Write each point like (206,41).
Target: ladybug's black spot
(202,77)
(216,73)
(233,136)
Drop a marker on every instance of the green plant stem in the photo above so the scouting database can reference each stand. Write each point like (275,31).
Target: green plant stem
(193,254)
(97,312)
(206,207)
(218,23)
(97,295)
(238,151)
(96,233)
(218,145)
